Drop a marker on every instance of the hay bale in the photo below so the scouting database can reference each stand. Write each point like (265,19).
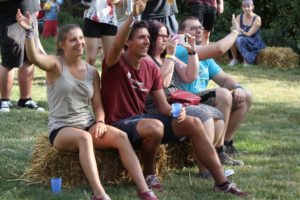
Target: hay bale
(281,57)
(180,155)
(47,162)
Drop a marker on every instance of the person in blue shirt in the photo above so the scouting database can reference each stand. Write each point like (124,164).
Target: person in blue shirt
(230,98)
(51,9)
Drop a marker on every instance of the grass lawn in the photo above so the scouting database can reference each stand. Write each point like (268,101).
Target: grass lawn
(268,140)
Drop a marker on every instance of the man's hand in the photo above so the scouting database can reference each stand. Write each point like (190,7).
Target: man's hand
(239,95)
(234,24)
(24,21)
(138,7)
(182,115)
(191,44)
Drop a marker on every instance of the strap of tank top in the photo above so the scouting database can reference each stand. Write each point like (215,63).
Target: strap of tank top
(241,20)
(253,20)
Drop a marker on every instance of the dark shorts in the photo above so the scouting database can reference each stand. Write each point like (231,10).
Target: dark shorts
(169,21)
(208,97)
(206,14)
(12,44)
(128,125)
(54,133)
(95,30)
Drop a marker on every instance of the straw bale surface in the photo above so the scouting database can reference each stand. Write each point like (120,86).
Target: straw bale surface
(180,155)
(47,162)
(281,57)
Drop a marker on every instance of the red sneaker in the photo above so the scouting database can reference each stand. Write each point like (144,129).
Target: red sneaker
(230,188)
(153,183)
(149,195)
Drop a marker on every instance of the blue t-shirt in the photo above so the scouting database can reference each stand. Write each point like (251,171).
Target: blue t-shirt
(52,14)
(207,70)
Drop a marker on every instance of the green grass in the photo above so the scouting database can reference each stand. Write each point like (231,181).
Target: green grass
(268,139)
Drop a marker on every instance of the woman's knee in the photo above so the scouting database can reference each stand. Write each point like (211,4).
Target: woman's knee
(84,138)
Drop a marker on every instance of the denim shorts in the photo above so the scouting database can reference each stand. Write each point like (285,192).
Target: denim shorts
(128,125)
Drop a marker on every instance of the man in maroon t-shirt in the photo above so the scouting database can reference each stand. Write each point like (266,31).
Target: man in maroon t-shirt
(127,79)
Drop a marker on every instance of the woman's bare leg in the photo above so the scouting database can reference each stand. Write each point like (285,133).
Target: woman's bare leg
(74,140)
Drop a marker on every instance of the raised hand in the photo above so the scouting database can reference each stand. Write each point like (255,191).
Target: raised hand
(171,45)
(24,21)
(138,7)
(191,44)
(234,24)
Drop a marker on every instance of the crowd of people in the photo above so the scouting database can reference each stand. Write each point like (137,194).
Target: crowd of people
(143,65)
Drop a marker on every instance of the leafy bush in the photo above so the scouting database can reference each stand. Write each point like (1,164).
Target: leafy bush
(71,12)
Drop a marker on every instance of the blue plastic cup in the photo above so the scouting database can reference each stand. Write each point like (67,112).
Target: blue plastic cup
(176,109)
(56,185)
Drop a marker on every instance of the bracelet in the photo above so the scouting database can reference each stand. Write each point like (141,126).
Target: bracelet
(134,19)
(192,53)
(29,33)
(171,57)
(238,86)
(101,121)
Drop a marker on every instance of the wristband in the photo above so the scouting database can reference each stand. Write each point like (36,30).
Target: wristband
(134,19)
(192,53)
(236,31)
(238,86)
(101,121)
(171,57)
(29,33)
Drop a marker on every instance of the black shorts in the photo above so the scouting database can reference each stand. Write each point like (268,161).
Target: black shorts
(95,30)
(206,14)
(128,125)
(12,44)
(54,133)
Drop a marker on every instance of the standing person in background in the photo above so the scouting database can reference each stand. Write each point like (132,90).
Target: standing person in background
(163,11)
(100,23)
(249,42)
(51,8)
(72,86)
(206,11)
(12,39)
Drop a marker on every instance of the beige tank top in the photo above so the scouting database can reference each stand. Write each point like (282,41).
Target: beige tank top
(69,99)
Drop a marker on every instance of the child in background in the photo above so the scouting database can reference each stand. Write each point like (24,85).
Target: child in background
(51,8)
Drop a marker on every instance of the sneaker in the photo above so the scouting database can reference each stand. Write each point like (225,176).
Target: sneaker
(233,62)
(106,197)
(4,106)
(207,174)
(230,188)
(231,150)
(227,160)
(149,195)
(31,105)
(153,183)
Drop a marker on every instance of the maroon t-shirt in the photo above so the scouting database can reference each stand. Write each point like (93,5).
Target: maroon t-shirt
(124,89)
